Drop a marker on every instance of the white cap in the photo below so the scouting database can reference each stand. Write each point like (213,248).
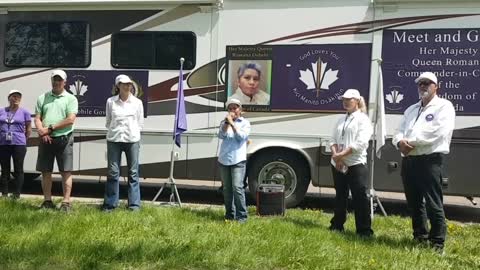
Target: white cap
(233,101)
(427,75)
(59,72)
(122,79)
(351,93)
(14,91)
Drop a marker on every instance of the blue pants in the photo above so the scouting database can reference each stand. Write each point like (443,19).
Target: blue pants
(233,191)
(114,153)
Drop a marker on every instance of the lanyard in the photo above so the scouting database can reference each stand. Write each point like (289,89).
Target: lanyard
(10,117)
(345,125)
(420,110)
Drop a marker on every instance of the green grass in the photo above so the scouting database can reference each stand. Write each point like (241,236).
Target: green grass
(186,238)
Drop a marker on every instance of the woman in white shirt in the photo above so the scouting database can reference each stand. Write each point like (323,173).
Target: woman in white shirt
(349,158)
(124,115)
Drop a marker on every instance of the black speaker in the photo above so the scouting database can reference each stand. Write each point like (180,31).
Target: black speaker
(270,200)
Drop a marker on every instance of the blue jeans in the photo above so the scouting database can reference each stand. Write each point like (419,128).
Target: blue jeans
(114,153)
(233,191)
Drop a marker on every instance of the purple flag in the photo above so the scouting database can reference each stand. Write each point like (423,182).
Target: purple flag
(180,115)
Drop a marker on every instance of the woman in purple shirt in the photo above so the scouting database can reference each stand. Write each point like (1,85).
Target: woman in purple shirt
(15,129)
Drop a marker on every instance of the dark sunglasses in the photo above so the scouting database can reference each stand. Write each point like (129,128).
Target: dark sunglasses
(424,83)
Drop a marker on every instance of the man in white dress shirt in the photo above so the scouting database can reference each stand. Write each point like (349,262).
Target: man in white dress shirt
(423,138)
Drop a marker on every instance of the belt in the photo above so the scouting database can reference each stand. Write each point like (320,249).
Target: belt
(432,155)
(62,136)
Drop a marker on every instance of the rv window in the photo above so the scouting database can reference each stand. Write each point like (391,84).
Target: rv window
(42,44)
(153,50)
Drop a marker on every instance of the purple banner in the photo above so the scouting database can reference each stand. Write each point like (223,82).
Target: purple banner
(313,77)
(452,54)
(92,88)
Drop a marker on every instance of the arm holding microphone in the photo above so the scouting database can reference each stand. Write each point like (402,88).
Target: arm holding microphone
(224,127)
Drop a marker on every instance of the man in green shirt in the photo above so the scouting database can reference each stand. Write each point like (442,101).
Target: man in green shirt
(55,115)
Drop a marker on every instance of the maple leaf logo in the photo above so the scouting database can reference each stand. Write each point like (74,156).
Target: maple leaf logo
(394,97)
(79,88)
(318,78)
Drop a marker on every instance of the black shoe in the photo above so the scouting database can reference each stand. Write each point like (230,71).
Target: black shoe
(336,229)
(15,196)
(107,208)
(366,234)
(438,248)
(47,205)
(421,241)
(65,207)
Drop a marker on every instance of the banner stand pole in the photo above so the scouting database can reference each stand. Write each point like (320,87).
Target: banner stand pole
(374,199)
(174,196)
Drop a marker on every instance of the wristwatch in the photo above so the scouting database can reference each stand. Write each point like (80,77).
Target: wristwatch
(50,129)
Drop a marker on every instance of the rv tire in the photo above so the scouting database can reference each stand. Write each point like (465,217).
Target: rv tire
(288,169)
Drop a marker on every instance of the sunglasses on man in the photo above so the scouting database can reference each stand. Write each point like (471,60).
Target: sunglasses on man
(424,83)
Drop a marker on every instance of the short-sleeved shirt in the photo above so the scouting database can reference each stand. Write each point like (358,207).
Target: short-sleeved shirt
(55,108)
(17,119)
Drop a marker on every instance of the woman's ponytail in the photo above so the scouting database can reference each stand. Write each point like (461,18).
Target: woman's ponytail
(361,105)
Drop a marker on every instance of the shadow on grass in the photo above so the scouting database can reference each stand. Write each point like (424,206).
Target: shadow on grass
(304,223)
(206,214)
(395,243)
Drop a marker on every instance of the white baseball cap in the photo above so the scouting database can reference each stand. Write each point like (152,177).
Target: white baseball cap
(59,72)
(14,91)
(427,75)
(122,79)
(351,93)
(233,101)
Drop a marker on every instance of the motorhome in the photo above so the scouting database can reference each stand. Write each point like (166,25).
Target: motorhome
(309,53)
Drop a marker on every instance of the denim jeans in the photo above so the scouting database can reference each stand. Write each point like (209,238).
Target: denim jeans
(114,153)
(233,191)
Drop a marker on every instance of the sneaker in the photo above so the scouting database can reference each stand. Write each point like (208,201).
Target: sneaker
(15,196)
(47,205)
(242,221)
(65,207)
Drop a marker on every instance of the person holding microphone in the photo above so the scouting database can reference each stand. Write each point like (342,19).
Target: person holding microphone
(232,158)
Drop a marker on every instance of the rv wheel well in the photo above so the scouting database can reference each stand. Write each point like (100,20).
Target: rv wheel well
(284,150)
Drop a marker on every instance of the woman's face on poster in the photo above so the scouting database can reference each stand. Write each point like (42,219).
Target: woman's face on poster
(249,81)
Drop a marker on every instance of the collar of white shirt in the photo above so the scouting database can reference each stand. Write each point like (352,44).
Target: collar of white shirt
(355,113)
(117,98)
(435,101)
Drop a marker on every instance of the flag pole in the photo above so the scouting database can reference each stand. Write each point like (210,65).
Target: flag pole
(372,194)
(174,196)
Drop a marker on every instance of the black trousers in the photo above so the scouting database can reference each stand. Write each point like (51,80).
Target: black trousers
(422,182)
(17,152)
(356,180)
